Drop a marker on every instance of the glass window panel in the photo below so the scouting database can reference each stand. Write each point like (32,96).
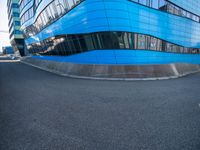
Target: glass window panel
(95,41)
(89,43)
(162,5)
(143,2)
(155,4)
(135,40)
(70,3)
(49,14)
(131,40)
(82,43)
(159,45)
(153,42)
(59,8)
(141,41)
(126,41)
(77,1)
(64,4)
(170,8)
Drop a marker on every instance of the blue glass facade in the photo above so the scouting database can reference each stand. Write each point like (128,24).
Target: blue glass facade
(128,25)
(192,6)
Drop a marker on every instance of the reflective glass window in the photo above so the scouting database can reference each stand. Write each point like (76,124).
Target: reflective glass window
(155,4)
(141,41)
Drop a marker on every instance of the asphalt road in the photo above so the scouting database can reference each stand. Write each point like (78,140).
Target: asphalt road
(44,111)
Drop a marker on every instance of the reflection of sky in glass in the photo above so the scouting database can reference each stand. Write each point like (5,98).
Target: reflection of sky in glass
(71,3)
(4,37)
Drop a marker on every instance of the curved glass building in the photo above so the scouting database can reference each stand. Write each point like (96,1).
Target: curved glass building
(111,31)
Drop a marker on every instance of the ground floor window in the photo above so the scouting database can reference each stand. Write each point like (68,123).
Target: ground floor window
(73,44)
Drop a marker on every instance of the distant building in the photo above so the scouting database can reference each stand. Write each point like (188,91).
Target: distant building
(7,50)
(16,37)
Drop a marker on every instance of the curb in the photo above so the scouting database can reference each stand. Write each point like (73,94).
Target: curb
(110,79)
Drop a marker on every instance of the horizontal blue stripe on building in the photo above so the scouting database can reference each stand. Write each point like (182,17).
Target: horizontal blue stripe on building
(120,57)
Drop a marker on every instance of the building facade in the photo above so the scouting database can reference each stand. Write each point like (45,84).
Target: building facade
(113,31)
(16,36)
(7,50)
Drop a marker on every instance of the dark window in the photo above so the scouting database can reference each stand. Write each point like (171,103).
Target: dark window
(72,44)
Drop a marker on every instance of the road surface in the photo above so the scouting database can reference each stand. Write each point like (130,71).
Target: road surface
(44,111)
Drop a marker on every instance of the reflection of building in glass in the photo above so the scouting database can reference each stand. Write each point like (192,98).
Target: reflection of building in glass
(63,27)
(7,50)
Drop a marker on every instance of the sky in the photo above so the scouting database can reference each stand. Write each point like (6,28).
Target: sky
(4,37)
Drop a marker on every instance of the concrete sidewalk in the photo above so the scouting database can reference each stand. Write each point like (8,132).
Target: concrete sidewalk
(114,72)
